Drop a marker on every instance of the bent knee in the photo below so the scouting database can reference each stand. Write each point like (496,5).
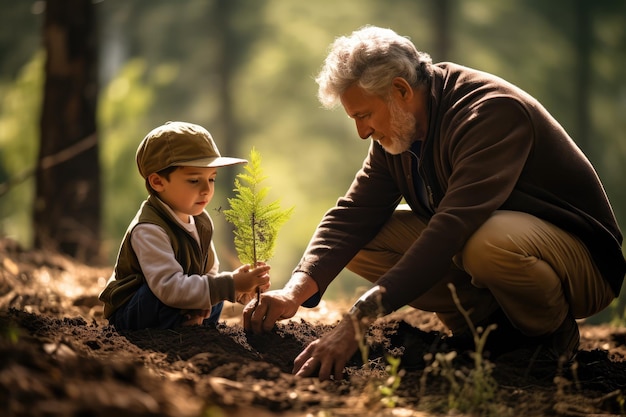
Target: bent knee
(492,249)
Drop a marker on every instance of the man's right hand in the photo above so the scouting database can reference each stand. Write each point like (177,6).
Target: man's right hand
(273,306)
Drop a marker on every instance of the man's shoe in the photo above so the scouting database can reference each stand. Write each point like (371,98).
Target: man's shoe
(544,355)
(506,343)
(504,338)
(562,344)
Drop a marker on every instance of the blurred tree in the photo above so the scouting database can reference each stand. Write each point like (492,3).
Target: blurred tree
(66,211)
(19,137)
(124,105)
(20,34)
(442,28)
(234,27)
(584,42)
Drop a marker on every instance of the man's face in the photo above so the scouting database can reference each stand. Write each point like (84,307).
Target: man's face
(383,120)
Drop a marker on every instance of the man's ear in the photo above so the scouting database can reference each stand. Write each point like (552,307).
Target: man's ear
(156,182)
(402,88)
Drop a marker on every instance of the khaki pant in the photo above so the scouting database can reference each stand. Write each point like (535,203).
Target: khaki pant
(533,270)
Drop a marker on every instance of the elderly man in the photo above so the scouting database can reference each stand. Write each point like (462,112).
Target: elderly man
(499,200)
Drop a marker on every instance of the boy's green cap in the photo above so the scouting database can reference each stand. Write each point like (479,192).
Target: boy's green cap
(179,144)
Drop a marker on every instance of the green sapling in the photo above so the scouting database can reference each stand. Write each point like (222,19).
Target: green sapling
(256,224)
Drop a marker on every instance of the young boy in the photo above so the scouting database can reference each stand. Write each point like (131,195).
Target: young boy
(166,274)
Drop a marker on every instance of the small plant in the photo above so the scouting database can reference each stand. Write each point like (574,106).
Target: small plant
(471,390)
(10,333)
(364,349)
(388,388)
(256,224)
(382,385)
(568,401)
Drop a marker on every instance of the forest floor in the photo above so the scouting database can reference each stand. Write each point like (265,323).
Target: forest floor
(59,357)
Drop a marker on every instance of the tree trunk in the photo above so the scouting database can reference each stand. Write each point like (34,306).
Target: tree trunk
(227,57)
(442,29)
(66,212)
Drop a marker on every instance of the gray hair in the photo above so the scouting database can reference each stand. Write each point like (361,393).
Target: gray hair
(373,57)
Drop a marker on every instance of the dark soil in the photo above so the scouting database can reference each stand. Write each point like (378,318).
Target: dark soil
(59,357)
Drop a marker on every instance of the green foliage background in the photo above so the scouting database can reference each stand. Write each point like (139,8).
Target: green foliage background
(165,60)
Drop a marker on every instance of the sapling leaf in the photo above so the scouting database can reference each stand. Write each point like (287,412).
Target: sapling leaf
(256,224)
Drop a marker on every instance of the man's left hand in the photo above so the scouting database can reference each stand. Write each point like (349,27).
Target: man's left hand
(328,355)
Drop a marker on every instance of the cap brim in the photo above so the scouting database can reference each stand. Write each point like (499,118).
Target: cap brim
(220,161)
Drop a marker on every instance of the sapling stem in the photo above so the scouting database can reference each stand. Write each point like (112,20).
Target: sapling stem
(258,288)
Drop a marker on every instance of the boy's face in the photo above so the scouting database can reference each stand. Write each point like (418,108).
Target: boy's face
(187,191)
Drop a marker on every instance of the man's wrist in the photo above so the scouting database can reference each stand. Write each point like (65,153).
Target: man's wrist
(369,306)
(301,287)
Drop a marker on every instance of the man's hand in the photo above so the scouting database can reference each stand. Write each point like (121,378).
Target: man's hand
(272,306)
(327,356)
(278,304)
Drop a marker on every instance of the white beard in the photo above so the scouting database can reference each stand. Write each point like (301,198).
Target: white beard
(402,130)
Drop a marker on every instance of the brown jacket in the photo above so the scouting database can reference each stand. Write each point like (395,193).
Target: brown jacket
(489,146)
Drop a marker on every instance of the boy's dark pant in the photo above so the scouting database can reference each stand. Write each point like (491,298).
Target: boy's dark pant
(144,310)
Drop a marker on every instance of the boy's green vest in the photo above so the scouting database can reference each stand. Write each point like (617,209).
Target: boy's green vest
(194,259)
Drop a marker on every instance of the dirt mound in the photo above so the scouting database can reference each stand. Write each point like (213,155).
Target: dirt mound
(58,357)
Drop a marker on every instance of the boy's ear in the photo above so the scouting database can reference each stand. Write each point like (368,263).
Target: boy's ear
(156,182)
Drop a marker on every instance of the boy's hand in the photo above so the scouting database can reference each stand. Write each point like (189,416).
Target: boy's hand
(248,279)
